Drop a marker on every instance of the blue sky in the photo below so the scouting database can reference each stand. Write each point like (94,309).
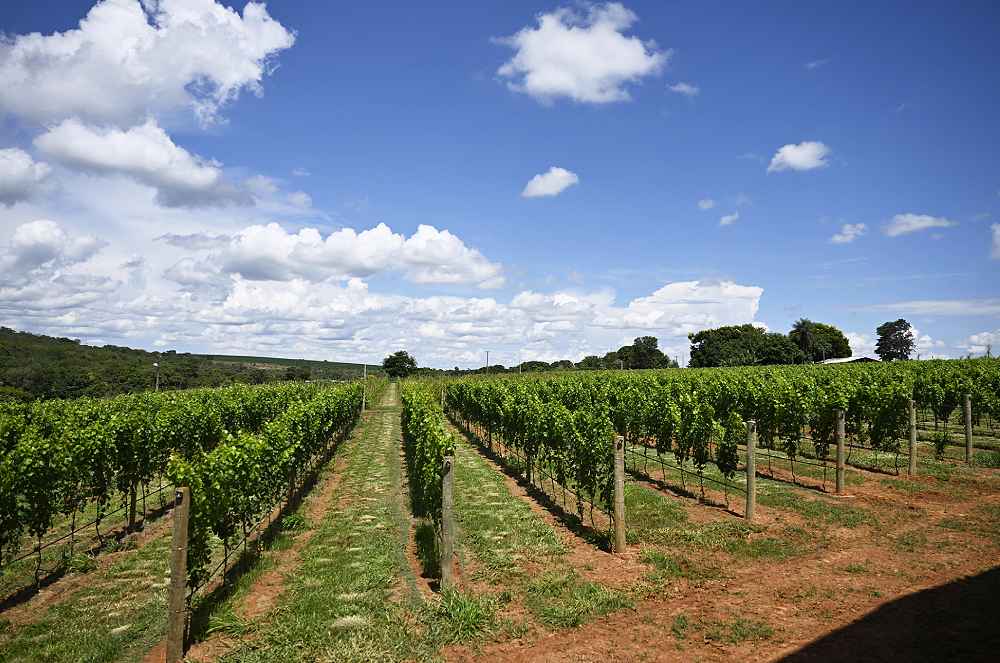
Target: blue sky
(850,150)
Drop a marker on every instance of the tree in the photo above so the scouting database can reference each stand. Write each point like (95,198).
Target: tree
(819,341)
(742,345)
(399,364)
(895,340)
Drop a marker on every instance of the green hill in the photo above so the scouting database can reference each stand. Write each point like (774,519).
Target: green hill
(37,366)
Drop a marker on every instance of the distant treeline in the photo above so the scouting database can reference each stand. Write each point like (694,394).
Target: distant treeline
(643,353)
(36,366)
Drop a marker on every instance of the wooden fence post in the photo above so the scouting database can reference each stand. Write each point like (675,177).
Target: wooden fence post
(967,411)
(841,455)
(751,470)
(619,494)
(132,496)
(447,523)
(913,438)
(177,599)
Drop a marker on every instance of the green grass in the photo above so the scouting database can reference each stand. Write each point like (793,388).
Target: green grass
(814,510)
(667,567)
(118,614)
(354,598)
(736,631)
(562,599)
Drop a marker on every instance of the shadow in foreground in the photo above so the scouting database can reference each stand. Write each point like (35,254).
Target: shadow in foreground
(953,622)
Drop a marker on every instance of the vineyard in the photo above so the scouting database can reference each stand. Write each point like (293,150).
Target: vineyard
(581,495)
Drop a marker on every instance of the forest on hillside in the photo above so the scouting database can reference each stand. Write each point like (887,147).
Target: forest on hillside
(37,366)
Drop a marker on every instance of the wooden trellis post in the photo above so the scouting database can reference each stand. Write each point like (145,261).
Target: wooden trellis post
(967,411)
(176,601)
(913,438)
(841,451)
(751,471)
(447,523)
(619,494)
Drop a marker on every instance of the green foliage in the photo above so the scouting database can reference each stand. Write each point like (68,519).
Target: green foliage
(819,341)
(399,364)
(895,340)
(246,475)
(742,345)
(33,366)
(426,442)
(61,455)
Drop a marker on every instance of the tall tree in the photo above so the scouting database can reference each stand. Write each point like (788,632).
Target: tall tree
(742,345)
(895,340)
(399,364)
(819,341)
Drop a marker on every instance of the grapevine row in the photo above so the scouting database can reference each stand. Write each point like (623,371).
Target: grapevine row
(426,442)
(236,483)
(58,456)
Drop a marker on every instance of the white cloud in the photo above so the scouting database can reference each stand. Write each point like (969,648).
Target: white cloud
(584,57)
(300,199)
(43,244)
(806,155)
(729,219)
(995,252)
(902,224)
(706,204)
(268,252)
(127,60)
(320,307)
(816,64)
(195,241)
(687,89)
(978,344)
(145,153)
(20,175)
(849,232)
(301,172)
(862,345)
(550,183)
(941,307)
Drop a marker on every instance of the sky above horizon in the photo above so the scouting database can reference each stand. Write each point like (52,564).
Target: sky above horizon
(539,180)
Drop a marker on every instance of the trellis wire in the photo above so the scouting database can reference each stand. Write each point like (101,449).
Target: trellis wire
(37,549)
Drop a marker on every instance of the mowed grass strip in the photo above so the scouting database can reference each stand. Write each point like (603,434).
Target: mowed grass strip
(511,546)
(352,597)
(117,615)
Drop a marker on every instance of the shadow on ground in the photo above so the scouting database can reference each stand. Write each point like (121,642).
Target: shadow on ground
(953,622)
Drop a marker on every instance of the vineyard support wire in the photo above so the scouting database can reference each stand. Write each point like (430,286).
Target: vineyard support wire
(659,458)
(312,466)
(478,437)
(37,549)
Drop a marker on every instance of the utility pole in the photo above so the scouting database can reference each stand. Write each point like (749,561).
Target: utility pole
(487,362)
(156,365)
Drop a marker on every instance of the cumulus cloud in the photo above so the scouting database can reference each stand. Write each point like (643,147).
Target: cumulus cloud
(995,251)
(849,232)
(978,344)
(687,89)
(903,224)
(128,59)
(585,57)
(268,252)
(550,183)
(806,155)
(20,175)
(729,219)
(706,204)
(145,153)
(44,243)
